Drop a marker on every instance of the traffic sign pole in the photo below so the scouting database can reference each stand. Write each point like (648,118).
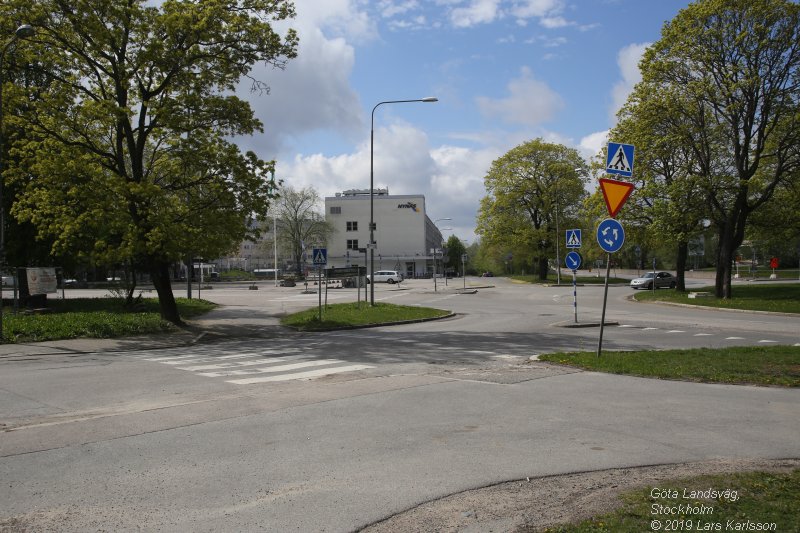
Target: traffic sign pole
(605,298)
(575,294)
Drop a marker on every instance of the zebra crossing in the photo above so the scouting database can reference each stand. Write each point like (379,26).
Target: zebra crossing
(250,367)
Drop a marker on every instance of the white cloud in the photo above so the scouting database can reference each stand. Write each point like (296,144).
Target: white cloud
(478,12)
(529,102)
(592,144)
(313,93)
(628,61)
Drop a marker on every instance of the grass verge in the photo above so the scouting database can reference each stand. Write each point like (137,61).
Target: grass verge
(339,316)
(566,279)
(778,297)
(765,365)
(94,318)
(769,499)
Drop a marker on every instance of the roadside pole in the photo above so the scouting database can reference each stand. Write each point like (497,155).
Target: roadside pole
(319,290)
(575,294)
(605,298)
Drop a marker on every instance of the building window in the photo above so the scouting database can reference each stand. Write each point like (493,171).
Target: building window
(352,226)
(352,244)
(336,210)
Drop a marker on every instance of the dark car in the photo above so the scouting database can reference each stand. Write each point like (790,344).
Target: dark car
(487,275)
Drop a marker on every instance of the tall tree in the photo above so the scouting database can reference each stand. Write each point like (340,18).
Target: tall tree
(301,222)
(668,200)
(734,67)
(531,190)
(455,250)
(129,138)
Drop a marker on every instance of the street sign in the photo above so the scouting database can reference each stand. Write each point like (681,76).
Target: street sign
(619,159)
(615,193)
(610,235)
(773,263)
(573,260)
(319,256)
(573,239)
(345,272)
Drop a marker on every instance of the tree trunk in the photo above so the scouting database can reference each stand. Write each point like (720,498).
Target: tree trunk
(159,274)
(680,267)
(543,268)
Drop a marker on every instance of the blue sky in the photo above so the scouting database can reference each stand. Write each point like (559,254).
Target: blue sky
(505,71)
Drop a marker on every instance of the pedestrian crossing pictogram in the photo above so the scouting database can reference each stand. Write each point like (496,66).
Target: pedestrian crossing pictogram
(619,159)
(320,256)
(573,238)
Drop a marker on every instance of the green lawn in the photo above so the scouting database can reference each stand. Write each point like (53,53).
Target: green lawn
(566,279)
(760,365)
(352,315)
(760,498)
(93,318)
(776,297)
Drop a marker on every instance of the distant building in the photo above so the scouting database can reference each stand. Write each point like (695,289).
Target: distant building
(404,234)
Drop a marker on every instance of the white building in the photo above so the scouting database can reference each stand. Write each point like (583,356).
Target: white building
(403,232)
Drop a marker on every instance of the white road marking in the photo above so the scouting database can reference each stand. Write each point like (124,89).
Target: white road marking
(734,338)
(766,341)
(235,364)
(676,331)
(300,375)
(273,369)
(703,334)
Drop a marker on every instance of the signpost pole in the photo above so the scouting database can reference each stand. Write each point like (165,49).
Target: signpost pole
(575,294)
(319,290)
(605,298)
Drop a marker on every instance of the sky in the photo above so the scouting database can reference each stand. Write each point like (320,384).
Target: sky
(504,71)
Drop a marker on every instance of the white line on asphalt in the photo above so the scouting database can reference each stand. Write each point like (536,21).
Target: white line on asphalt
(238,364)
(734,338)
(301,375)
(676,331)
(626,326)
(648,328)
(766,340)
(703,334)
(272,369)
(196,359)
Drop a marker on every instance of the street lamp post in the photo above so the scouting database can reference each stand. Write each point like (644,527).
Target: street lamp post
(26,30)
(435,252)
(372,243)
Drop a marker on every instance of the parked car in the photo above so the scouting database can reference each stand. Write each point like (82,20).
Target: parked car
(662,279)
(487,275)
(387,276)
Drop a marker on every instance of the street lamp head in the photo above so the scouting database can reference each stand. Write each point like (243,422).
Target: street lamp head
(24,31)
(429,99)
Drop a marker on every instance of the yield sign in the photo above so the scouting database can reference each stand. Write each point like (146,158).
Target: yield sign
(615,193)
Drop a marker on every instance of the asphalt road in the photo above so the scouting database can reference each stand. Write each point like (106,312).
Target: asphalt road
(333,431)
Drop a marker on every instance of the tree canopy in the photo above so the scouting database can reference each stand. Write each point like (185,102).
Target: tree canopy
(530,190)
(727,72)
(127,154)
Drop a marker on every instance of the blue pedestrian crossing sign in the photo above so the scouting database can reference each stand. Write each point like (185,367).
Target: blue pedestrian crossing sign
(320,256)
(573,238)
(619,159)
(610,235)
(573,260)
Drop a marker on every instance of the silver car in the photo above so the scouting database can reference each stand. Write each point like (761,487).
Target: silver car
(388,276)
(662,279)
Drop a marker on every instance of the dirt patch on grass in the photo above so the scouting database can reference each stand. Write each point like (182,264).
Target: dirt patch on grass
(532,504)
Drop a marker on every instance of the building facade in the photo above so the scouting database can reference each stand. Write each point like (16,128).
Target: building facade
(404,234)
